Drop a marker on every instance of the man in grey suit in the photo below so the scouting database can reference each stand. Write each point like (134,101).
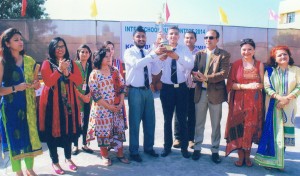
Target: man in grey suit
(210,70)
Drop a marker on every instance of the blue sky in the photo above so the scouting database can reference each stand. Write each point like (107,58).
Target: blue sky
(251,13)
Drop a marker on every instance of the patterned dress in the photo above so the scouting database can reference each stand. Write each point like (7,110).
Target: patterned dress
(244,122)
(108,127)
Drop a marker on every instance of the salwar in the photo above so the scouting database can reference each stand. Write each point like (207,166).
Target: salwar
(16,164)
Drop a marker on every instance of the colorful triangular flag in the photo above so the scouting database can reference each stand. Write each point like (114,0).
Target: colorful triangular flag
(94,11)
(273,15)
(23,9)
(223,16)
(167,12)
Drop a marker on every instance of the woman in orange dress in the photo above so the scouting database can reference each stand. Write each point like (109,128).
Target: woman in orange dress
(244,85)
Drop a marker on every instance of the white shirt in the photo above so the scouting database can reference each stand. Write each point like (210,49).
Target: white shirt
(189,81)
(184,65)
(134,65)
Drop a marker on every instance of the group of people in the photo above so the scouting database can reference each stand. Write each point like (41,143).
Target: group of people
(86,96)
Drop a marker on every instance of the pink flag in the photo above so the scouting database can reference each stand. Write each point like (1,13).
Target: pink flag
(167,13)
(273,15)
(23,9)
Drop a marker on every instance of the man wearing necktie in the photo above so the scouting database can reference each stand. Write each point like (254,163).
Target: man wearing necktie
(175,65)
(140,65)
(210,70)
(190,38)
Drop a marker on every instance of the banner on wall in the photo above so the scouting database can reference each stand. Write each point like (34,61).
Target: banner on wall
(127,29)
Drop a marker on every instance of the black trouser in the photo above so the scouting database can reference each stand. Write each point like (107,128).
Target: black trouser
(85,124)
(52,146)
(191,119)
(174,98)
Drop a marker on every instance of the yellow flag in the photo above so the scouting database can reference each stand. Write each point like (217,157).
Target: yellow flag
(223,16)
(94,11)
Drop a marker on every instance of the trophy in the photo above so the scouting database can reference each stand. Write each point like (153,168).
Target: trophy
(160,22)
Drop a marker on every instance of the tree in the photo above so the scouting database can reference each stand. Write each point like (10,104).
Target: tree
(11,9)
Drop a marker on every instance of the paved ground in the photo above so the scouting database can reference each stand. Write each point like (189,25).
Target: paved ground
(172,165)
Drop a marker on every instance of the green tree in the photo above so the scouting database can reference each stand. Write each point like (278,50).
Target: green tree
(11,9)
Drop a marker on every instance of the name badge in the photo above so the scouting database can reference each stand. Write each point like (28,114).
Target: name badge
(83,86)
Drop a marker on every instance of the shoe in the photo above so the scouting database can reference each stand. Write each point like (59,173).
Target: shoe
(75,152)
(191,144)
(87,150)
(59,170)
(136,158)
(123,160)
(185,154)
(165,153)
(216,158)
(176,143)
(196,155)
(72,166)
(151,153)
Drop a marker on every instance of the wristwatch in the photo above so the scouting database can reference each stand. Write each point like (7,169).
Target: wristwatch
(13,89)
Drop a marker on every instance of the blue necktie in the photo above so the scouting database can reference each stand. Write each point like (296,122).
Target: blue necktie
(173,70)
(146,81)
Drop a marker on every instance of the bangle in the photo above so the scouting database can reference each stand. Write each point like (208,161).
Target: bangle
(239,86)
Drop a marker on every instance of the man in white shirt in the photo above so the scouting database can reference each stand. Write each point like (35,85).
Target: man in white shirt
(175,64)
(140,65)
(190,38)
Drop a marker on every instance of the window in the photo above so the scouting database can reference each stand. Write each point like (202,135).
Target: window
(290,17)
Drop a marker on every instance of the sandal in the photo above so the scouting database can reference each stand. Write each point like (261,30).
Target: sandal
(248,162)
(106,162)
(124,160)
(30,173)
(239,163)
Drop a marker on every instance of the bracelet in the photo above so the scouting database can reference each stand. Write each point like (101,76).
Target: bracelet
(239,86)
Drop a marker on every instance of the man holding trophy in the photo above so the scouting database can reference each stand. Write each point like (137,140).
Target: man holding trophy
(175,64)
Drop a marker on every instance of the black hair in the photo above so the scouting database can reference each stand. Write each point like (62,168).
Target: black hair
(139,29)
(52,47)
(7,58)
(191,32)
(217,33)
(106,43)
(247,41)
(174,27)
(99,56)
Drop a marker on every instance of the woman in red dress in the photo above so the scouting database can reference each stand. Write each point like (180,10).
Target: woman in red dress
(244,85)
(59,121)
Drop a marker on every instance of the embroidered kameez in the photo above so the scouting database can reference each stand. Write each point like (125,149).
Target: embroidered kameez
(244,122)
(279,127)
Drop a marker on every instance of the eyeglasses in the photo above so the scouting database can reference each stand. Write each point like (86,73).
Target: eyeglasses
(246,40)
(60,47)
(209,37)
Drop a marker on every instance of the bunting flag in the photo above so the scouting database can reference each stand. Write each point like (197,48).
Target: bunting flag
(94,11)
(167,12)
(223,16)
(273,15)
(23,9)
